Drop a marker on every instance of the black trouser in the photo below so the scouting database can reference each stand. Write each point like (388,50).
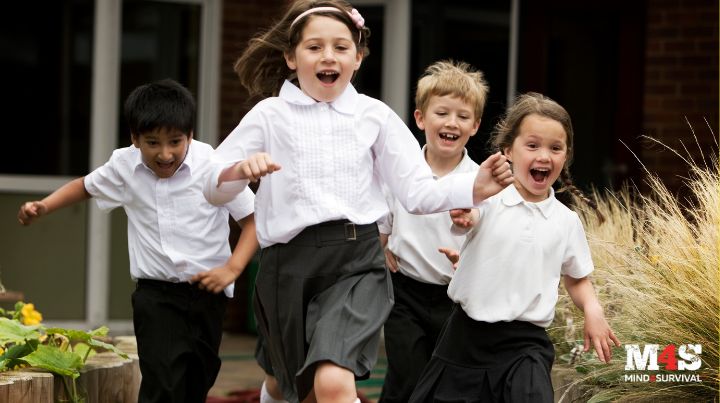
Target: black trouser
(178,329)
(411,331)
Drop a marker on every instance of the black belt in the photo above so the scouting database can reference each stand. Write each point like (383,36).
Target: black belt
(165,285)
(334,232)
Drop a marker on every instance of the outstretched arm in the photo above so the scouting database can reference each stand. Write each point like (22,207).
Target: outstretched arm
(597,330)
(252,169)
(70,193)
(493,175)
(217,279)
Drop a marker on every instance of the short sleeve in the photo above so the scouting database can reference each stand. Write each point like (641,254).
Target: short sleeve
(577,262)
(242,205)
(106,185)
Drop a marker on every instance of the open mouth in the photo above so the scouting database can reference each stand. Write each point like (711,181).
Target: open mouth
(449,137)
(539,174)
(328,77)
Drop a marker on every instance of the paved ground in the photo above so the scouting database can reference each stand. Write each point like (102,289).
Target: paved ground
(239,370)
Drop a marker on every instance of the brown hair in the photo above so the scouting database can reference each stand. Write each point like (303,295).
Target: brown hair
(457,79)
(508,128)
(262,68)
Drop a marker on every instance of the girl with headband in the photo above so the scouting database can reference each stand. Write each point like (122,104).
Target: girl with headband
(323,151)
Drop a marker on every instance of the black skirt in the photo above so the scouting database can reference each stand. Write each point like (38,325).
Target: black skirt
(323,296)
(488,362)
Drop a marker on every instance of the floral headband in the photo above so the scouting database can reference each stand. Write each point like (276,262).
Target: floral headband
(354,15)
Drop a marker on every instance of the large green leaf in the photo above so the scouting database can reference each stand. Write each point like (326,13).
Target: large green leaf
(13,356)
(54,360)
(12,331)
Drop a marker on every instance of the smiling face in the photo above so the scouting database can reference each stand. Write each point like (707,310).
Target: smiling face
(325,58)
(538,155)
(163,150)
(448,123)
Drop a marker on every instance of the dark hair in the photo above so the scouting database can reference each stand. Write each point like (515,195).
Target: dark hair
(508,128)
(262,68)
(163,104)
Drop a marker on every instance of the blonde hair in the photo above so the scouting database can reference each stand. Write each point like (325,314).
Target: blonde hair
(262,68)
(457,79)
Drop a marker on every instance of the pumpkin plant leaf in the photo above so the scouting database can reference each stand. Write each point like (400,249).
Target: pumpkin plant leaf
(56,361)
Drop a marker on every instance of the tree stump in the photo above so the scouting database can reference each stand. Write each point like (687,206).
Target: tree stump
(26,387)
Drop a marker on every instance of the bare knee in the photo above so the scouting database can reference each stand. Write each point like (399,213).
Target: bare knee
(273,388)
(334,384)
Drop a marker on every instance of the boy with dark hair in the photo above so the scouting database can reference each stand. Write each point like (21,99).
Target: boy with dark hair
(177,241)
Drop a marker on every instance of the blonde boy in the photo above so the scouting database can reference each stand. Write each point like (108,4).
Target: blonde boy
(449,102)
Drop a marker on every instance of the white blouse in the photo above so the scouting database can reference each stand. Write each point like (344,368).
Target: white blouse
(513,257)
(173,232)
(334,158)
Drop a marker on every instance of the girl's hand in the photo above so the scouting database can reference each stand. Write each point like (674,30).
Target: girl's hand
(452,255)
(598,334)
(255,167)
(30,211)
(493,175)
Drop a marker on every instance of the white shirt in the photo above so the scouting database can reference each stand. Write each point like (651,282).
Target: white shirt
(334,157)
(415,239)
(511,262)
(173,232)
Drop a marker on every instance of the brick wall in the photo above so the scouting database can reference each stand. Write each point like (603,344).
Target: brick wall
(241,21)
(681,82)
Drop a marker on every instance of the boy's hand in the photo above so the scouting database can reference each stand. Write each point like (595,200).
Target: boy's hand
(493,175)
(255,167)
(452,255)
(215,280)
(30,211)
(598,332)
(463,218)
(391,260)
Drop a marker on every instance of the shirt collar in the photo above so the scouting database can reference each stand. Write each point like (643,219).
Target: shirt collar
(511,197)
(345,103)
(464,160)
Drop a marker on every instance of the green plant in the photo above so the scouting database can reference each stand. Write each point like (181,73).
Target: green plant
(25,342)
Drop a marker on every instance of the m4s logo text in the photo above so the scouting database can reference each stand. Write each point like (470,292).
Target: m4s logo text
(685,357)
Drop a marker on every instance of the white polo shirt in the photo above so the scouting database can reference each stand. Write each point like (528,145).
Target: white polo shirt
(512,259)
(334,158)
(173,232)
(415,239)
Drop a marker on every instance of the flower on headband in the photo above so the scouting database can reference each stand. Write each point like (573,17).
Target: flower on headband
(357,18)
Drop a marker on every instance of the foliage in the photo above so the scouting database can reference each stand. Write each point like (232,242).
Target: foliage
(25,342)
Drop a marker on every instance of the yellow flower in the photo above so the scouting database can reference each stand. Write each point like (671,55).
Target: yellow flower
(30,316)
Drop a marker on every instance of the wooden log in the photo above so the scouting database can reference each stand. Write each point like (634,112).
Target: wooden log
(41,385)
(132,379)
(18,387)
(111,376)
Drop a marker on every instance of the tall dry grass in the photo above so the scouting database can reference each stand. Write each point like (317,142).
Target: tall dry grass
(656,273)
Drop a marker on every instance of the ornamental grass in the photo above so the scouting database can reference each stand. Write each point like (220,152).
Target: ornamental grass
(656,274)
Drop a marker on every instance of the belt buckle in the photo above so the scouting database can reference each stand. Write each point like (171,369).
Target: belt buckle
(350,233)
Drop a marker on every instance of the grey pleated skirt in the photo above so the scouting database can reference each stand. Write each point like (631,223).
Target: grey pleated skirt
(477,362)
(322,297)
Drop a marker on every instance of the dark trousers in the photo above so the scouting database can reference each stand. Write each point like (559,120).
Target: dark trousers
(178,329)
(411,331)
